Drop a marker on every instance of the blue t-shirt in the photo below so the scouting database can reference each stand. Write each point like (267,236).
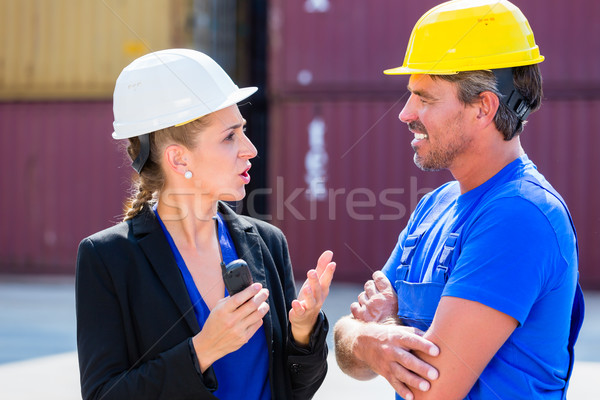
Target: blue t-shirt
(243,374)
(515,251)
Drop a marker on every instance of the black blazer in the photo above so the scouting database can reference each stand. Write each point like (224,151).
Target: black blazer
(135,319)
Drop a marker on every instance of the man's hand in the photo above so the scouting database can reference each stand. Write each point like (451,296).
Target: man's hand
(378,302)
(373,342)
(387,350)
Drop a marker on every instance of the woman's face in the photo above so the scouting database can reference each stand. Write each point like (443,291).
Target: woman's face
(221,159)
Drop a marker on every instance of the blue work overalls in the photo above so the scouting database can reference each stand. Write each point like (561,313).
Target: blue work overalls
(419,300)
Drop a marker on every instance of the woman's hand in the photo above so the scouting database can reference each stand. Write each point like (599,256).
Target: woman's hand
(231,323)
(313,293)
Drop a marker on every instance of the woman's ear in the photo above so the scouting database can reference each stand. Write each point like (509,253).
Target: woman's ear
(488,106)
(175,158)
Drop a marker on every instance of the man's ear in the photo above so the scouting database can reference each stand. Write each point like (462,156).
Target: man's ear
(488,106)
(175,158)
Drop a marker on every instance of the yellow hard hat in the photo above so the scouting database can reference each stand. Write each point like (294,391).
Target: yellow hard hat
(469,35)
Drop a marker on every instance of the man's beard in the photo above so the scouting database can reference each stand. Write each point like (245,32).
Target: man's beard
(439,157)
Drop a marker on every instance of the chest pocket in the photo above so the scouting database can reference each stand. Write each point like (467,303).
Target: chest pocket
(418,301)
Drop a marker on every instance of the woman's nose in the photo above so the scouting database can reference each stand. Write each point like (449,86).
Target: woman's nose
(248,150)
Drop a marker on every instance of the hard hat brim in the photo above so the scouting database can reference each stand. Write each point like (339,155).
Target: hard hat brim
(433,69)
(413,71)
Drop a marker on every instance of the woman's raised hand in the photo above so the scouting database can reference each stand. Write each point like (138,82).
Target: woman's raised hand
(311,297)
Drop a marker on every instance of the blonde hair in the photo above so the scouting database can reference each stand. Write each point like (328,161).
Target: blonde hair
(146,186)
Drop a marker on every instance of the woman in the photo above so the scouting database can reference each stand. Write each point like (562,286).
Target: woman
(154,319)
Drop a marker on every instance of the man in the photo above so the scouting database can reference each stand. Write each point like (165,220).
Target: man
(480,298)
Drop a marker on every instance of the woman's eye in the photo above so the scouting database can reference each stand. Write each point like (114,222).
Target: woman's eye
(230,136)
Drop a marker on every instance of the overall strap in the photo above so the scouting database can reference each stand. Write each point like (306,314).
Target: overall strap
(408,252)
(412,241)
(442,270)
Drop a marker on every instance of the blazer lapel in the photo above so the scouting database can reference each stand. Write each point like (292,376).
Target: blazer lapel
(248,248)
(153,243)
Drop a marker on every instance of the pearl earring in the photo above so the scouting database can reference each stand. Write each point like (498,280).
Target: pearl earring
(188,174)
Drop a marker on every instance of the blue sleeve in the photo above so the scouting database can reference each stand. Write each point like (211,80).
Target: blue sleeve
(508,256)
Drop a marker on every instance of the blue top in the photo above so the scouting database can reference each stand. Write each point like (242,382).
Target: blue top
(508,244)
(243,374)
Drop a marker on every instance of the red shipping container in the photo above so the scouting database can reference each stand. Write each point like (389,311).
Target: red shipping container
(62,179)
(336,47)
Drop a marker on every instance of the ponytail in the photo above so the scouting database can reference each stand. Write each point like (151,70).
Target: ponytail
(147,184)
(141,200)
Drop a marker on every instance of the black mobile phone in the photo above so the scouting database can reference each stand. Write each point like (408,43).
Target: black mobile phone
(236,274)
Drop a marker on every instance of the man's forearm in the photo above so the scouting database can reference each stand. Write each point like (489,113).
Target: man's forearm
(346,332)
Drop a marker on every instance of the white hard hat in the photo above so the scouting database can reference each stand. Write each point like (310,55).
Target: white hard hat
(168,88)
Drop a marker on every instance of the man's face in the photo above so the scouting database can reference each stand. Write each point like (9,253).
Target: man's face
(436,118)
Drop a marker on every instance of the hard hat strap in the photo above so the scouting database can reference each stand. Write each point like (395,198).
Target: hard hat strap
(510,95)
(142,157)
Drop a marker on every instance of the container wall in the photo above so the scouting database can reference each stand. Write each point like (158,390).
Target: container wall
(344,45)
(76,49)
(63,178)
(566,32)
(326,64)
